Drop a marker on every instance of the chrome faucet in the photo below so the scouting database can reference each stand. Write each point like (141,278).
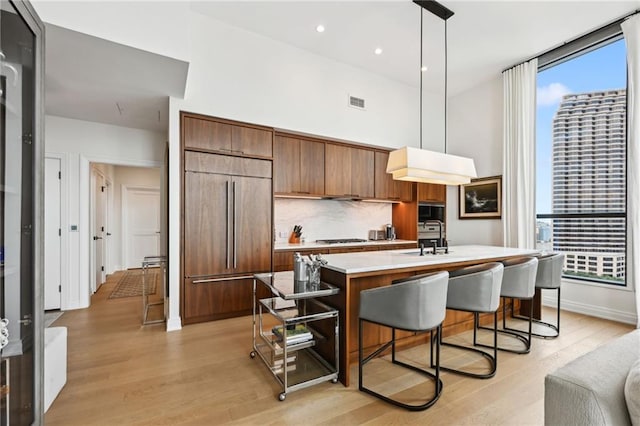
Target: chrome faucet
(440,224)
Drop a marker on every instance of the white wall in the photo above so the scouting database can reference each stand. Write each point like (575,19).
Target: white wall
(475,130)
(164,31)
(326,219)
(78,143)
(241,75)
(128,176)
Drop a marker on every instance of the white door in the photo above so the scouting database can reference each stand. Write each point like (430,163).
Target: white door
(142,224)
(99,230)
(52,233)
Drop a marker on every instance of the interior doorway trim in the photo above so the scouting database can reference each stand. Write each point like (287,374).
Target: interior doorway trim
(96,173)
(64,225)
(84,233)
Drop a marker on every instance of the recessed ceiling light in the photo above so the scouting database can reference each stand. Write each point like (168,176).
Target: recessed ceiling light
(423,68)
(320,28)
(378,51)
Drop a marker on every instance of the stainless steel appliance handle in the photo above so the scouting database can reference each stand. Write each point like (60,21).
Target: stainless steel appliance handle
(226,187)
(235,226)
(216,280)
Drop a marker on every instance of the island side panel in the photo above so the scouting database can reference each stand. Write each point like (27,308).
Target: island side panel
(339,302)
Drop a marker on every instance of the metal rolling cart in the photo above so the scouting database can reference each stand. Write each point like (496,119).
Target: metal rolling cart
(295,360)
(148,262)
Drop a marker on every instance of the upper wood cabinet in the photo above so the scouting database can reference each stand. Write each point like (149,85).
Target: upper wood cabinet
(432,192)
(234,139)
(385,187)
(298,166)
(349,171)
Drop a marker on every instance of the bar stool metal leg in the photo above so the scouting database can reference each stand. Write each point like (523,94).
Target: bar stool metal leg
(554,327)
(362,361)
(492,359)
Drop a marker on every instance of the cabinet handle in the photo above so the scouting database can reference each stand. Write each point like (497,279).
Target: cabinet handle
(217,280)
(235,225)
(227,222)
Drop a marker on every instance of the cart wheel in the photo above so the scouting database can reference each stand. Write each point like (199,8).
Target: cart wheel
(252,354)
(334,381)
(282,396)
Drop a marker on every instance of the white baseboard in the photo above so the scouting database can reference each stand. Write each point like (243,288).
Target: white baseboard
(174,324)
(591,310)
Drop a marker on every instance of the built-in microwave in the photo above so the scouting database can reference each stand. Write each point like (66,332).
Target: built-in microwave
(431,211)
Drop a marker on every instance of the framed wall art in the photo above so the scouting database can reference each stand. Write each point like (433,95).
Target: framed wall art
(481,199)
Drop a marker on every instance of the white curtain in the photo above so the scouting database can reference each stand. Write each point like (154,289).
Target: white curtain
(518,189)
(631,31)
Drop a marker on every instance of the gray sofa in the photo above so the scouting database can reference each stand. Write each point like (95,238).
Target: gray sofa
(590,390)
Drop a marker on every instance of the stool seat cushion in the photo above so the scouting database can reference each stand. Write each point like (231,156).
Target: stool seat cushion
(475,289)
(550,270)
(418,304)
(519,278)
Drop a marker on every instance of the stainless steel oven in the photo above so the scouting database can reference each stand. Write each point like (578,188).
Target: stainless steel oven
(430,232)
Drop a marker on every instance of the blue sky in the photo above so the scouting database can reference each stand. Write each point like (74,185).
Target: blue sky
(602,69)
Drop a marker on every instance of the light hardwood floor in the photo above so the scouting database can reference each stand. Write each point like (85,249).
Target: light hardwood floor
(120,373)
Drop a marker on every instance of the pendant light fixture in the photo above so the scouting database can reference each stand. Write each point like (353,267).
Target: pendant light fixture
(421,165)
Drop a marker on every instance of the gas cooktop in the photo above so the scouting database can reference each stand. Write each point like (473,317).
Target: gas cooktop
(341,241)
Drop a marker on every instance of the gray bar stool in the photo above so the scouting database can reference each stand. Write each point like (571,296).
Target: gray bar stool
(476,289)
(549,277)
(413,304)
(518,282)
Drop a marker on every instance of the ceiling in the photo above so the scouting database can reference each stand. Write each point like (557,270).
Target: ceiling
(96,80)
(92,79)
(484,37)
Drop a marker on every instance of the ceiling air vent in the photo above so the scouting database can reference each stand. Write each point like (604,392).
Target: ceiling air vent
(356,102)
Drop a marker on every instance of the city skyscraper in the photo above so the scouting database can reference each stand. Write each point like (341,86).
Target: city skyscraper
(589,173)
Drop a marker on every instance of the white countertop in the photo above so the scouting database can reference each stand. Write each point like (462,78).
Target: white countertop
(351,263)
(314,245)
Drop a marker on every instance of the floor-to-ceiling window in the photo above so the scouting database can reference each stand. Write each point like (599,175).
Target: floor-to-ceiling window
(581,157)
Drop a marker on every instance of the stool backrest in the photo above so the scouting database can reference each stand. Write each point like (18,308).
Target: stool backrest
(519,278)
(550,270)
(412,304)
(475,288)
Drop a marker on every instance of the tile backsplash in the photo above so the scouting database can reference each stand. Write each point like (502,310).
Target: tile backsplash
(323,219)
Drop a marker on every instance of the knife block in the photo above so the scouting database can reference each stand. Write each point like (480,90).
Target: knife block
(293,239)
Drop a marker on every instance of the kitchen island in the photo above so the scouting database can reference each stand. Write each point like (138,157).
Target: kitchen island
(354,272)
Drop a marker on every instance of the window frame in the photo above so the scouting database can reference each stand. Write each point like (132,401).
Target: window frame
(590,42)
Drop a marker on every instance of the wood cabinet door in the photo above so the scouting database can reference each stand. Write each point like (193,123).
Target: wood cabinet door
(206,228)
(286,165)
(432,192)
(362,172)
(251,141)
(215,298)
(206,134)
(311,167)
(337,170)
(383,183)
(403,190)
(252,232)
